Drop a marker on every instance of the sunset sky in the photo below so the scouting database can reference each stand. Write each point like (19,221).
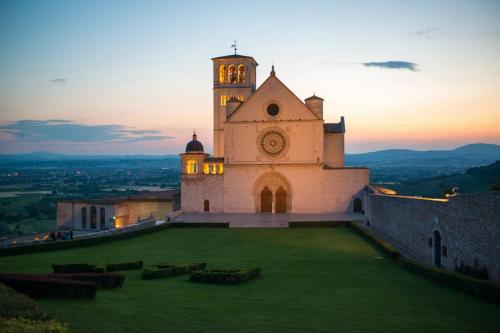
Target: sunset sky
(118,77)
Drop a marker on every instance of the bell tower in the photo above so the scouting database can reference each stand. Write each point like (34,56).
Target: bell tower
(234,78)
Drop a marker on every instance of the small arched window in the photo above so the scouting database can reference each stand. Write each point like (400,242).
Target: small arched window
(191,167)
(84,218)
(93,217)
(222,73)
(233,76)
(102,218)
(241,74)
(206,205)
(357,206)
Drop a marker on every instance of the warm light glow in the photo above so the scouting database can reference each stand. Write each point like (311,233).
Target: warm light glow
(233,76)
(241,74)
(213,169)
(222,74)
(206,168)
(225,98)
(221,168)
(191,167)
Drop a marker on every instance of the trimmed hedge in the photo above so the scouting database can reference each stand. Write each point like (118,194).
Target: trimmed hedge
(486,290)
(69,244)
(385,247)
(103,280)
(14,304)
(162,271)
(220,276)
(73,268)
(124,266)
(18,325)
(43,286)
(318,224)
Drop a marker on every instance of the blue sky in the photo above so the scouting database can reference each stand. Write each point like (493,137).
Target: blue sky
(135,76)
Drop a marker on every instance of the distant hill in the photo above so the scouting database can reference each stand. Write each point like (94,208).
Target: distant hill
(468,155)
(479,152)
(477,179)
(48,156)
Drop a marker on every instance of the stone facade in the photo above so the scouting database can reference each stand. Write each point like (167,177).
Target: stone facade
(468,225)
(278,154)
(109,213)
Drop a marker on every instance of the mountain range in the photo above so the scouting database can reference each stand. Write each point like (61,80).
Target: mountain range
(470,155)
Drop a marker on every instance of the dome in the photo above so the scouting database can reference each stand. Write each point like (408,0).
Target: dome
(194,145)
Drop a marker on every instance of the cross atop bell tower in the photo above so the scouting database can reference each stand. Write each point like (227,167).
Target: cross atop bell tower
(235,77)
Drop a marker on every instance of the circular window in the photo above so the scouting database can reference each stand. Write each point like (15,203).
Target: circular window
(273,143)
(273,110)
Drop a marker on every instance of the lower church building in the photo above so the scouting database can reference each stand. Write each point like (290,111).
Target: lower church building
(273,153)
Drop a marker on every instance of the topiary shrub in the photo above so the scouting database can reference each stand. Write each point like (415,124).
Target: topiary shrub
(103,280)
(43,286)
(124,266)
(23,325)
(162,271)
(221,276)
(73,268)
(14,304)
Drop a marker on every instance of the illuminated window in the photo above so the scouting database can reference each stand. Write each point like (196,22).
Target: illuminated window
(241,74)
(206,168)
(213,168)
(191,167)
(225,98)
(233,76)
(222,73)
(221,168)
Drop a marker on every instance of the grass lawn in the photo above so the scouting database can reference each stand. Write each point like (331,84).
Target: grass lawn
(313,280)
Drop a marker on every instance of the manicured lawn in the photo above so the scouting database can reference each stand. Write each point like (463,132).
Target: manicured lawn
(314,280)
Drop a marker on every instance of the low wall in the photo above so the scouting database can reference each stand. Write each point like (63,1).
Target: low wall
(469,226)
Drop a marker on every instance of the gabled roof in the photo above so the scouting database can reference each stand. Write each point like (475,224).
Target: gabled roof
(256,92)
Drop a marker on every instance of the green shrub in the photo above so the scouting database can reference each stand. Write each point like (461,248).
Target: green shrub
(100,267)
(14,304)
(486,290)
(73,268)
(103,280)
(44,286)
(162,271)
(220,276)
(23,325)
(385,247)
(124,266)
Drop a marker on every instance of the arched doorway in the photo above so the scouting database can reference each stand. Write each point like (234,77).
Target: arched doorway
(437,248)
(206,205)
(357,206)
(266,200)
(281,200)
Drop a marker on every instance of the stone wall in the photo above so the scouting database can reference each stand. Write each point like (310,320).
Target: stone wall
(469,226)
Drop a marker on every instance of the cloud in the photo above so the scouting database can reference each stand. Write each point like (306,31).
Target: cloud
(68,131)
(393,65)
(61,80)
(428,33)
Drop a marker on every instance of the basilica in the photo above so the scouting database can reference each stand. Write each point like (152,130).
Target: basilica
(273,152)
